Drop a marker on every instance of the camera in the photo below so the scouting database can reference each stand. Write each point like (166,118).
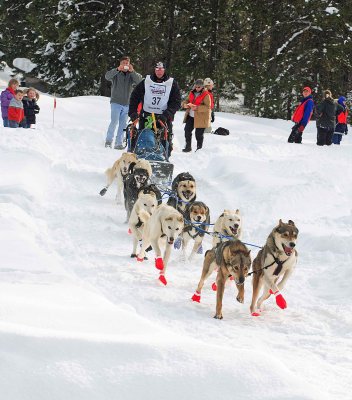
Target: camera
(126,67)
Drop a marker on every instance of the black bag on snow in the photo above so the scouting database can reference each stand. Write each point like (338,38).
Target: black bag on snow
(221,131)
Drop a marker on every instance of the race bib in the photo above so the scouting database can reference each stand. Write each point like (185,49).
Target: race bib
(156,95)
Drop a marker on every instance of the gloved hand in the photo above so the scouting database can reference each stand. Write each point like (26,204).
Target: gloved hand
(300,128)
(212,116)
(162,118)
(134,116)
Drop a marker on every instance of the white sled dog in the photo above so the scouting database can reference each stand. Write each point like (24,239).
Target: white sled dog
(165,225)
(273,265)
(228,224)
(198,216)
(119,171)
(143,208)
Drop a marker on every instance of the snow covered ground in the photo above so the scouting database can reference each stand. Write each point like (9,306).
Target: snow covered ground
(80,319)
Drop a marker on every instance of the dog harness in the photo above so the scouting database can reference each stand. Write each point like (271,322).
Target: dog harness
(279,264)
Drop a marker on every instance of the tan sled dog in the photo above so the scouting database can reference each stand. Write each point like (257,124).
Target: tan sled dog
(228,224)
(143,208)
(274,264)
(234,260)
(198,216)
(120,171)
(166,223)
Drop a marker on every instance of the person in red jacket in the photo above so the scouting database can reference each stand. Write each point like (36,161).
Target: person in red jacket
(302,116)
(16,112)
(341,121)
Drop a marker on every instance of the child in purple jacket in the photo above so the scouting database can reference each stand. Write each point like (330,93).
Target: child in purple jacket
(6,96)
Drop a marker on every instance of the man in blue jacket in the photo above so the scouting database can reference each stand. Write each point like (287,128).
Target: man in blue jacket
(123,79)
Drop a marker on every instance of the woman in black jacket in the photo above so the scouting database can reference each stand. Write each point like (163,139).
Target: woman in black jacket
(31,107)
(326,115)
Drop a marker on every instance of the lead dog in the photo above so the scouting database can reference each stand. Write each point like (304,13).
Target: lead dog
(165,224)
(119,171)
(274,264)
(184,191)
(233,260)
(144,207)
(197,218)
(228,225)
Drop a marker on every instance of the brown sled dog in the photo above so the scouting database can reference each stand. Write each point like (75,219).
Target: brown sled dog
(273,265)
(233,259)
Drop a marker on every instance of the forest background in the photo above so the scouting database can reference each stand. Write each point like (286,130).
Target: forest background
(262,51)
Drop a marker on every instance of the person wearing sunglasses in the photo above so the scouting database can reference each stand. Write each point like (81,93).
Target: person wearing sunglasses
(158,93)
(197,116)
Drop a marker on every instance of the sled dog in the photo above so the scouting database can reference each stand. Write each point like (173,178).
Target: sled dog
(141,171)
(274,264)
(228,224)
(232,258)
(197,220)
(184,191)
(119,171)
(143,208)
(165,224)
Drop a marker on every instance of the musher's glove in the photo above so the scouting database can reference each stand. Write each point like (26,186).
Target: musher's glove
(134,116)
(212,116)
(300,128)
(162,118)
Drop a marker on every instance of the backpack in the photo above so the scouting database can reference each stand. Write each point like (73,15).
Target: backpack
(221,131)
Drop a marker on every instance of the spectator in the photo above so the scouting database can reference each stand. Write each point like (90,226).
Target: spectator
(31,108)
(6,96)
(326,115)
(341,121)
(302,116)
(197,116)
(15,111)
(123,79)
(209,85)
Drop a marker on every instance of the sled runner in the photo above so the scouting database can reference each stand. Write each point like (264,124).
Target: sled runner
(152,145)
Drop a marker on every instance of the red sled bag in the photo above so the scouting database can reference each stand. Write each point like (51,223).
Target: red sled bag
(221,131)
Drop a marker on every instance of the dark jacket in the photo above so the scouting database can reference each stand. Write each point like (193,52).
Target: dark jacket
(173,105)
(31,108)
(326,114)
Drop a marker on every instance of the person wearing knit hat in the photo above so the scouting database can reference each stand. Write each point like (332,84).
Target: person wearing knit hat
(197,115)
(302,116)
(326,117)
(209,84)
(341,121)
(159,94)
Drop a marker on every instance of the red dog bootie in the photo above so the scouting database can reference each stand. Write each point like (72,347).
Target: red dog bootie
(162,279)
(214,286)
(129,231)
(196,296)
(255,314)
(140,259)
(159,263)
(280,301)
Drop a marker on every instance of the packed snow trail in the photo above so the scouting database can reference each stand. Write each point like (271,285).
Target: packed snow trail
(80,318)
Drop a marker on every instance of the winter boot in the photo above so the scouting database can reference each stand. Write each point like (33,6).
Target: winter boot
(188,147)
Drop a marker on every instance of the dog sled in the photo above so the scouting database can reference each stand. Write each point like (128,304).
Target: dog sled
(152,145)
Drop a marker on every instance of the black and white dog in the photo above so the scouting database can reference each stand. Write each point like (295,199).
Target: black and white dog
(140,172)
